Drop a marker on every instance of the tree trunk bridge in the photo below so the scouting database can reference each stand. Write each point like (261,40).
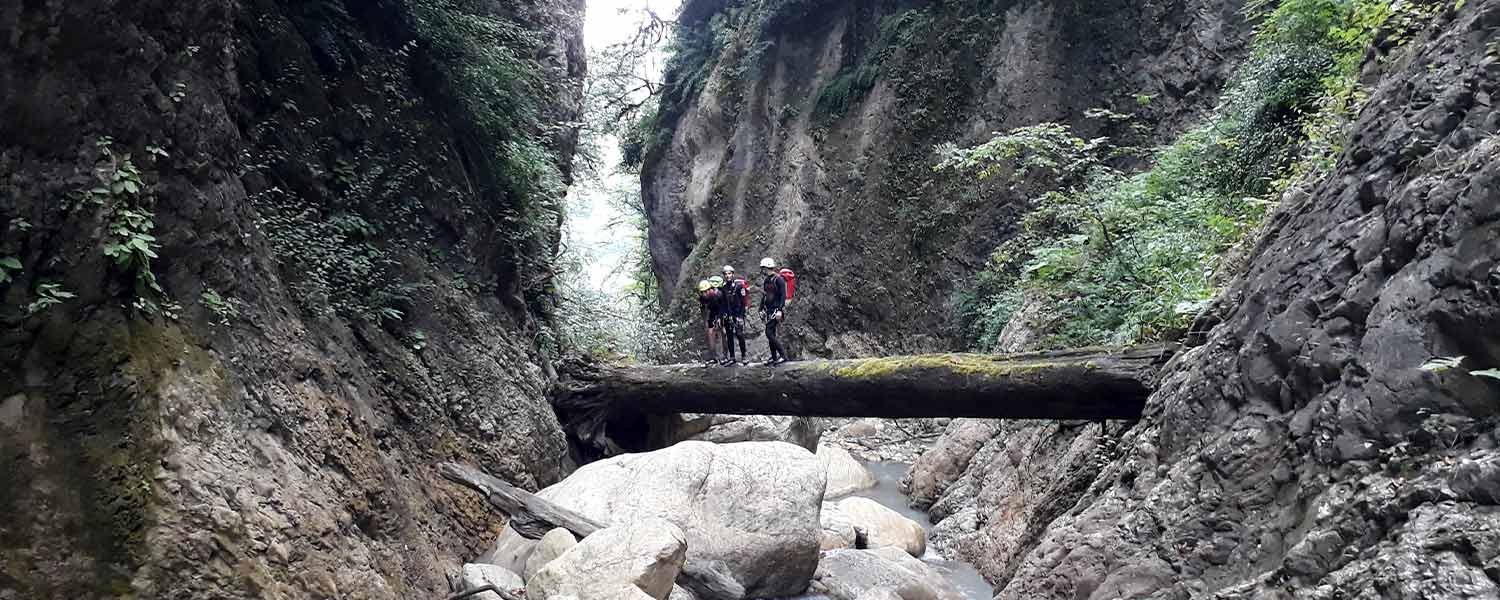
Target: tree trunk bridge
(1086,383)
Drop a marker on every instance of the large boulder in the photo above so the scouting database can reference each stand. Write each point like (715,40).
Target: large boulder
(749,510)
(547,549)
(646,554)
(845,475)
(880,573)
(473,576)
(838,528)
(884,527)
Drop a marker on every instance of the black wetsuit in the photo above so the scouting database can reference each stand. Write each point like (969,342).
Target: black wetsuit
(711,306)
(733,295)
(773,299)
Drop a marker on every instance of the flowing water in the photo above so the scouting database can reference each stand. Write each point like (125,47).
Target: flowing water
(888,493)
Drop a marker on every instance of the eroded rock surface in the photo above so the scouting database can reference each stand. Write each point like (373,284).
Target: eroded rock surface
(1300,451)
(341,304)
(821,155)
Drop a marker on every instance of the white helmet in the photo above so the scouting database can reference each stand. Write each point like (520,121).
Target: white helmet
(727,269)
(767,263)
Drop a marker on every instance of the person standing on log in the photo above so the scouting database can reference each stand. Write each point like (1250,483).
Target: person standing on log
(711,310)
(772,308)
(736,298)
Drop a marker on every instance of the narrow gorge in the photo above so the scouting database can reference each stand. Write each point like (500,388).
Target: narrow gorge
(296,304)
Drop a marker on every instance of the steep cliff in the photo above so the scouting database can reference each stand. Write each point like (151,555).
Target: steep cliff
(1312,446)
(264,263)
(806,131)
(1332,432)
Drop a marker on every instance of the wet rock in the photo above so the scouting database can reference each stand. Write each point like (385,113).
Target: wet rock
(646,554)
(751,507)
(884,527)
(849,574)
(1298,451)
(845,475)
(473,576)
(547,549)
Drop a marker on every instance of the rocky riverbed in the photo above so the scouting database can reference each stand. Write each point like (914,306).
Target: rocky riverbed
(763,519)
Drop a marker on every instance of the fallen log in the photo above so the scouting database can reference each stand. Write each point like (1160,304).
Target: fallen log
(532,517)
(1088,383)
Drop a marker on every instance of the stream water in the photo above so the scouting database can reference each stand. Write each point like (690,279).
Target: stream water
(888,493)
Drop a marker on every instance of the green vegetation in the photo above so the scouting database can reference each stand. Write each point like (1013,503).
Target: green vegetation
(224,310)
(129,241)
(1126,257)
(351,215)
(494,86)
(1444,364)
(620,318)
(48,294)
(977,365)
(9,267)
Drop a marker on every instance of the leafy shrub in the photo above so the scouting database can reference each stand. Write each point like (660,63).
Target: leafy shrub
(129,223)
(494,86)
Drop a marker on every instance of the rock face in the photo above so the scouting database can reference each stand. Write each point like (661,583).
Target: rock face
(883,527)
(947,460)
(880,573)
(845,475)
(645,554)
(750,507)
(1300,451)
(809,136)
(339,303)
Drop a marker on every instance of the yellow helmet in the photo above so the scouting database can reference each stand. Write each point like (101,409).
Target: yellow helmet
(704,285)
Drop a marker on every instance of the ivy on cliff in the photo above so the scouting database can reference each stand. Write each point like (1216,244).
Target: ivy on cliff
(1125,257)
(497,90)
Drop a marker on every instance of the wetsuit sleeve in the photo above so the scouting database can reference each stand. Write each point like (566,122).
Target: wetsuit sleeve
(774,297)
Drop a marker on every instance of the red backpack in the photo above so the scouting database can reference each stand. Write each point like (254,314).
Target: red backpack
(791,281)
(744,290)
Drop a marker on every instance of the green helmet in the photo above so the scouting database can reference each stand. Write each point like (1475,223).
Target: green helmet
(716,281)
(704,285)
